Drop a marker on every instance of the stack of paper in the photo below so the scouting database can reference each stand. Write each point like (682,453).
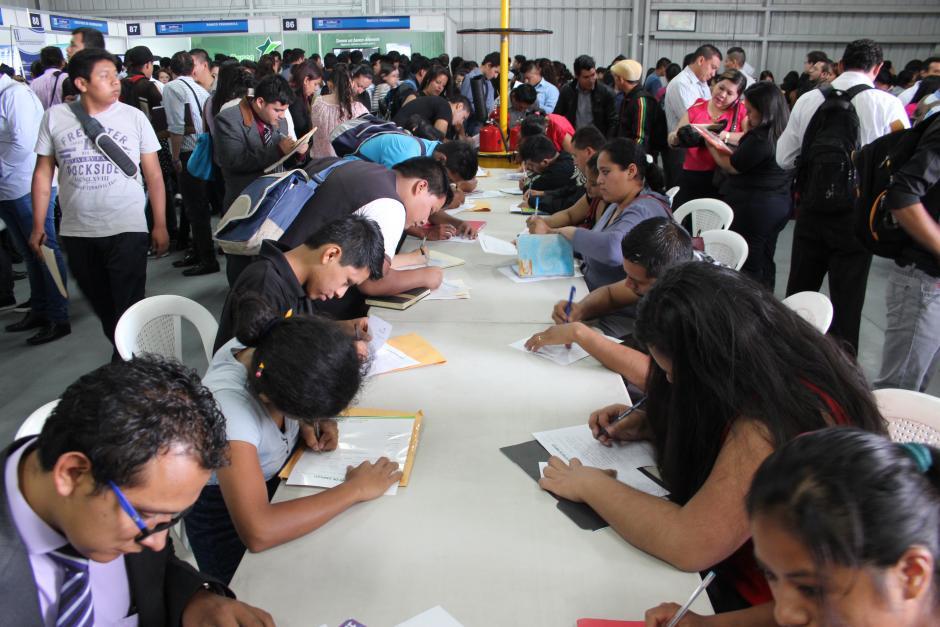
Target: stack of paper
(453,289)
(626,458)
(496,246)
(480,194)
(512,191)
(514,176)
(438,260)
(510,273)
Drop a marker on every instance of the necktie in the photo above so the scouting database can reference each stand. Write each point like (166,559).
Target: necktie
(266,134)
(75,603)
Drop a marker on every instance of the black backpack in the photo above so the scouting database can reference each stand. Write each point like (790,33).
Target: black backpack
(825,176)
(876,163)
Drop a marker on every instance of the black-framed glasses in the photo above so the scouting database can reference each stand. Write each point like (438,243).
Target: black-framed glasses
(145,531)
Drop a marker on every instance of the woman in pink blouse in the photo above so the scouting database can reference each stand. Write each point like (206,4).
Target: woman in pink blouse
(331,110)
(725,108)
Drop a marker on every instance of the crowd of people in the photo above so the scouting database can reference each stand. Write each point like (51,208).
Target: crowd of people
(780,473)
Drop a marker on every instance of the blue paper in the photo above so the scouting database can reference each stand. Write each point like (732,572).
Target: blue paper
(544,255)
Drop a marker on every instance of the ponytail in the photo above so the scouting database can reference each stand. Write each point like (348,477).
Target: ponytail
(306,366)
(625,153)
(342,87)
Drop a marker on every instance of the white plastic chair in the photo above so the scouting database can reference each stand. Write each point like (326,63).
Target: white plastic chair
(154,325)
(708,214)
(725,247)
(911,416)
(34,422)
(813,307)
(671,194)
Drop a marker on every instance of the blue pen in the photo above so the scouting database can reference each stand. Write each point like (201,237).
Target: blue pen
(570,300)
(537,204)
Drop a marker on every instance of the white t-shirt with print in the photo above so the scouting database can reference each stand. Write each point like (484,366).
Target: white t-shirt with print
(97,199)
(389,214)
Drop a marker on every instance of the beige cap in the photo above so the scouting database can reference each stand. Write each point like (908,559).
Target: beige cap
(628,70)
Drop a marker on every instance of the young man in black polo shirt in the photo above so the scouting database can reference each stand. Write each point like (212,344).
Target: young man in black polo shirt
(341,254)
(551,174)
(442,113)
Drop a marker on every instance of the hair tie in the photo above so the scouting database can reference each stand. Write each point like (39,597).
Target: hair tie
(649,159)
(920,454)
(269,326)
(259,371)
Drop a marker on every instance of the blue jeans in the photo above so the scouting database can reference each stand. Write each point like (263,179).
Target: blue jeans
(45,298)
(912,337)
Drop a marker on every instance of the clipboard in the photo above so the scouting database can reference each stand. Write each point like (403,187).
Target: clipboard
(365,412)
(712,139)
(48,257)
(297,144)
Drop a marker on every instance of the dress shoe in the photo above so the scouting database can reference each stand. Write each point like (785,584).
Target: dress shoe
(190,259)
(203,268)
(25,307)
(29,321)
(50,333)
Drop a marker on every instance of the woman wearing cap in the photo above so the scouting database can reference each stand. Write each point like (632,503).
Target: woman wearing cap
(638,108)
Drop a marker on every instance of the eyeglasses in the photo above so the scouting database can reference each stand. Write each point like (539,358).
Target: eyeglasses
(145,531)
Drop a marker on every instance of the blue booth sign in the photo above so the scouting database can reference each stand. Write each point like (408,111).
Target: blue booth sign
(202,28)
(68,24)
(399,22)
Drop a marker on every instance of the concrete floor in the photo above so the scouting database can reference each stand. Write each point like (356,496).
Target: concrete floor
(33,376)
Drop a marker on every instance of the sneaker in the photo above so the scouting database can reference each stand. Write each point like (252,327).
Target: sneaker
(23,307)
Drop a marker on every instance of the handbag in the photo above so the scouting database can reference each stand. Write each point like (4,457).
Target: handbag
(200,164)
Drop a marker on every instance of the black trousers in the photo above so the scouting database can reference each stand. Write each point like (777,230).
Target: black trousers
(110,271)
(6,273)
(196,206)
(694,184)
(672,166)
(759,217)
(826,243)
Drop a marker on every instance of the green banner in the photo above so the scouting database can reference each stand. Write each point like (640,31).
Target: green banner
(430,44)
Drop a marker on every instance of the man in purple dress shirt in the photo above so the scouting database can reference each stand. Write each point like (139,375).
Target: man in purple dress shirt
(48,85)
(87,506)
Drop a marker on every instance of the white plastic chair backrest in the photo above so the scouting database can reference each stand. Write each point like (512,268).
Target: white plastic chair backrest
(725,247)
(671,193)
(154,325)
(34,422)
(708,214)
(911,416)
(813,307)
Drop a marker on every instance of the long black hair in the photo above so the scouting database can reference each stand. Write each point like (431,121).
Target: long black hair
(625,153)
(234,82)
(432,74)
(307,366)
(768,100)
(736,351)
(853,498)
(342,87)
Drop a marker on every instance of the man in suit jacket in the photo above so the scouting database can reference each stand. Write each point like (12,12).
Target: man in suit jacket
(87,505)
(252,136)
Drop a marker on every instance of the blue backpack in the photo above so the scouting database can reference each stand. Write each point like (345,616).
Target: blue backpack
(347,137)
(267,208)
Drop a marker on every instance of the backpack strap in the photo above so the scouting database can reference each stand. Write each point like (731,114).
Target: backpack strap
(103,142)
(55,85)
(202,114)
(854,91)
(317,179)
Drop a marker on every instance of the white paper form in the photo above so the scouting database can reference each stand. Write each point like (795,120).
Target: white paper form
(496,246)
(514,176)
(626,458)
(511,191)
(360,440)
(509,273)
(434,617)
(380,330)
(48,256)
(557,353)
(453,289)
(480,194)
(438,260)
(389,358)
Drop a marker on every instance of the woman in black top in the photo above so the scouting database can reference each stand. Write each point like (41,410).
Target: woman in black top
(756,187)
(306,79)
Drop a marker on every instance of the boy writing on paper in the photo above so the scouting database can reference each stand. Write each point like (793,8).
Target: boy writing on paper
(278,382)
(551,173)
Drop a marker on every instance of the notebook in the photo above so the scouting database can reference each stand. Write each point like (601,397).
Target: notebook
(399,301)
(393,435)
(297,144)
(544,255)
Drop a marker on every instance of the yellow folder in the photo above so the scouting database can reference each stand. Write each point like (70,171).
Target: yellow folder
(418,349)
(365,412)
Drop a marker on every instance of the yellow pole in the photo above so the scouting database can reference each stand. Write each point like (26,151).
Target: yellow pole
(504,70)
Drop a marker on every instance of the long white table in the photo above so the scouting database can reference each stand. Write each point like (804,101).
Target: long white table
(472,531)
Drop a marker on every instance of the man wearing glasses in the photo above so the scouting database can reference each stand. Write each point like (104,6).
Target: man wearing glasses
(87,505)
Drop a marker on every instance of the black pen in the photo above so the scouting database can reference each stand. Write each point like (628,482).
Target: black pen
(624,414)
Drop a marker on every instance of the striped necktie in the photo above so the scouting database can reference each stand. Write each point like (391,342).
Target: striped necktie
(75,603)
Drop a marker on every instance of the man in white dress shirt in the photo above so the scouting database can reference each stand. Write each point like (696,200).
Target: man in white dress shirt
(824,240)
